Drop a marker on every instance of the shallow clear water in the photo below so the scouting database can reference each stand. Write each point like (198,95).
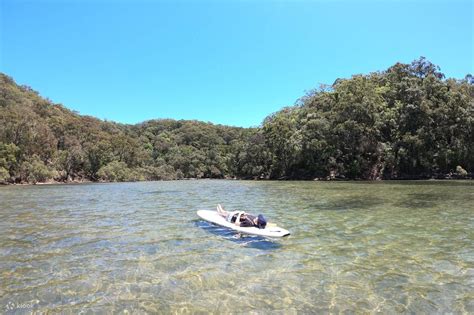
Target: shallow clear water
(358,247)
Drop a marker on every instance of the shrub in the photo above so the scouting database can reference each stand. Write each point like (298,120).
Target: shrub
(115,171)
(4,175)
(35,171)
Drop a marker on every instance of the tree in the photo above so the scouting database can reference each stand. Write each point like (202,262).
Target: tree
(4,175)
(406,121)
(34,171)
(115,171)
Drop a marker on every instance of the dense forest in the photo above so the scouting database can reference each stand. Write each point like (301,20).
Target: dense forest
(405,122)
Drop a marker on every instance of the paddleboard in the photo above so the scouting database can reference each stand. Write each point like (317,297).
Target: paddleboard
(216,218)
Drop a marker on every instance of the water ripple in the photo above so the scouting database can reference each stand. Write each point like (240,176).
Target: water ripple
(392,247)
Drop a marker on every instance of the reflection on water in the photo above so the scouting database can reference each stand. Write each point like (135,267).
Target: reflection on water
(251,241)
(355,247)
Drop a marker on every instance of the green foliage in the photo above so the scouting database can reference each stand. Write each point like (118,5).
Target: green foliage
(407,121)
(404,122)
(8,157)
(34,171)
(114,172)
(4,175)
(163,172)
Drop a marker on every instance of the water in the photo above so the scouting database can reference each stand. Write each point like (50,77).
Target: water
(356,247)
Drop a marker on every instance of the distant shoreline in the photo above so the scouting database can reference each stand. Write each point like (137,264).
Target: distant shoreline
(405,123)
(78,182)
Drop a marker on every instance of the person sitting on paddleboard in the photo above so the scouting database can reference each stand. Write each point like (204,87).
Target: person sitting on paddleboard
(240,218)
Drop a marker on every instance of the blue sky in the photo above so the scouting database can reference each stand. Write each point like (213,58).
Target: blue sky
(228,62)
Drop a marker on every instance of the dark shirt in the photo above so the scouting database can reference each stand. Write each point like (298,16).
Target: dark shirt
(247,221)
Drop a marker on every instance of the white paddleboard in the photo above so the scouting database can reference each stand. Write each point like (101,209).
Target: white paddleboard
(216,218)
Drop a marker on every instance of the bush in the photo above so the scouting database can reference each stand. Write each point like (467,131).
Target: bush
(163,172)
(4,175)
(115,171)
(35,171)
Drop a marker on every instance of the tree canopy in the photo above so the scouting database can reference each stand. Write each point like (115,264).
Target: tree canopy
(405,122)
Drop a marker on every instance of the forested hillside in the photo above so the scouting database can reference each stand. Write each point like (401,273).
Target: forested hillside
(405,122)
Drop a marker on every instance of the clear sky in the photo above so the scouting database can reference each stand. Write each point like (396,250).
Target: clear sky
(228,62)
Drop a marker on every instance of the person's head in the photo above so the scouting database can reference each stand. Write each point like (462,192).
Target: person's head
(261,222)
